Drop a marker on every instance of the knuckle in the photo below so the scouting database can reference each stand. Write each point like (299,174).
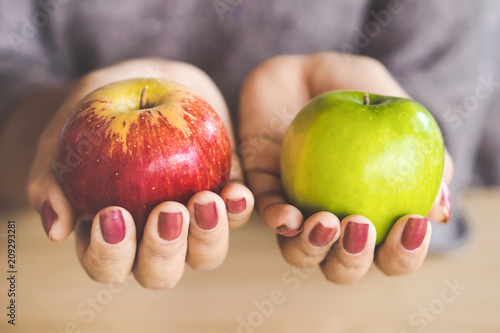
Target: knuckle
(394,263)
(163,256)
(205,265)
(106,267)
(304,259)
(209,239)
(298,256)
(206,260)
(352,264)
(343,275)
(155,284)
(400,266)
(106,277)
(341,280)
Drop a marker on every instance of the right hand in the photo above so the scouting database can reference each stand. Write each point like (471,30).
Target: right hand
(110,256)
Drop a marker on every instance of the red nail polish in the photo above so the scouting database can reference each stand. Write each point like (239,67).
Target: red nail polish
(287,232)
(355,237)
(206,215)
(321,235)
(48,216)
(169,225)
(414,233)
(446,201)
(236,206)
(112,225)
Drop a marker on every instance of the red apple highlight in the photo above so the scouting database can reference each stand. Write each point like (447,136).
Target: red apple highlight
(140,142)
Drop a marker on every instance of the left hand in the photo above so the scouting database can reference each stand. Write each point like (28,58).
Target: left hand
(272,95)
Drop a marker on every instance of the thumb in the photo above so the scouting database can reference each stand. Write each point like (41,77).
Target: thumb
(47,198)
(45,193)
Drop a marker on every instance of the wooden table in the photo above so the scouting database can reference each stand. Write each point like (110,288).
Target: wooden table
(256,291)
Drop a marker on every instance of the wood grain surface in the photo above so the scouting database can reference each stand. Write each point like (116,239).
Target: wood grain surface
(256,291)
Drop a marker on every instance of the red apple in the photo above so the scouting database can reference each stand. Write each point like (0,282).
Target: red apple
(140,142)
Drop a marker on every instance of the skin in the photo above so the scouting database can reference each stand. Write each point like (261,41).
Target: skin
(155,263)
(272,95)
(283,83)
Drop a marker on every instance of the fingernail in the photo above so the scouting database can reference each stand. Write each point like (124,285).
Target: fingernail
(112,225)
(288,232)
(236,206)
(446,201)
(169,225)
(48,216)
(206,215)
(355,237)
(321,235)
(414,233)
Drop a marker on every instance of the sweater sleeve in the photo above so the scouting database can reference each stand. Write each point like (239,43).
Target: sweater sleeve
(445,55)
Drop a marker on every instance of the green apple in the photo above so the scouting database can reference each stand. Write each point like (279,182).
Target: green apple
(349,152)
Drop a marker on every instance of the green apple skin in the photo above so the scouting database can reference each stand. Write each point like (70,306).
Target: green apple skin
(382,160)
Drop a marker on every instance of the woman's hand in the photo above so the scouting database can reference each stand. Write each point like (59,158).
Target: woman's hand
(174,233)
(272,95)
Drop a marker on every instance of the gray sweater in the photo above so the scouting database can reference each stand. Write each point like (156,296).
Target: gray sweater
(444,53)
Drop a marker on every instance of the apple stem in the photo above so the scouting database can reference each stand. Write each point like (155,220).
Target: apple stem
(366,99)
(143,97)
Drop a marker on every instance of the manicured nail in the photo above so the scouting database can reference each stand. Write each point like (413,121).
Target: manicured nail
(321,235)
(414,233)
(206,215)
(112,225)
(288,232)
(446,201)
(355,237)
(236,206)
(48,216)
(169,225)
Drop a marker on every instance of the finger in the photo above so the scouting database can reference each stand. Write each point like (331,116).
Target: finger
(208,231)
(48,198)
(106,248)
(272,94)
(352,255)
(239,204)
(449,168)
(263,175)
(279,216)
(441,208)
(311,246)
(236,174)
(44,191)
(239,200)
(405,247)
(162,250)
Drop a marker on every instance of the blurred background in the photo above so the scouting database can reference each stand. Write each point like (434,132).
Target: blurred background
(256,291)
(445,54)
